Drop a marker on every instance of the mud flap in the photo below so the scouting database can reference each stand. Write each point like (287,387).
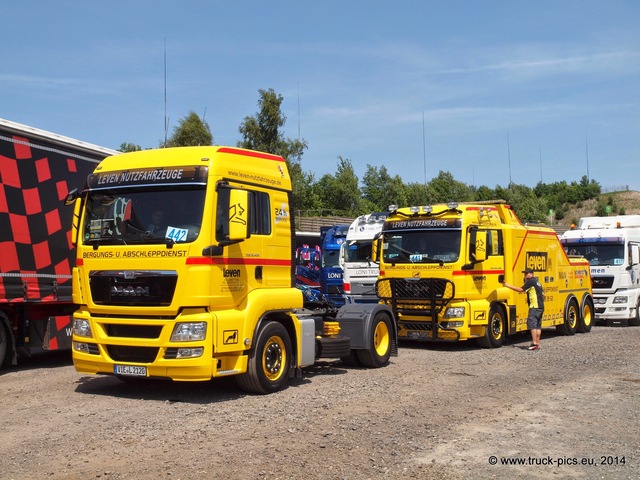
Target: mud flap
(58,333)
(356,321)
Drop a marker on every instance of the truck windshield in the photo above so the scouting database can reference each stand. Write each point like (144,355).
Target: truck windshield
(598,253)
(331,258)
(143,216)
(359,251)
(420,246)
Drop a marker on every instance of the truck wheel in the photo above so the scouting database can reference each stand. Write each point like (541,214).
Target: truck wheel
(269,360)
(351,360)
(635,320)
(571,316)
(4,343)
(586,319)
(495,332)
(380,336)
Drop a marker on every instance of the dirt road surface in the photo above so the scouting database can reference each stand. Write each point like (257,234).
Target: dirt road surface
(569,410)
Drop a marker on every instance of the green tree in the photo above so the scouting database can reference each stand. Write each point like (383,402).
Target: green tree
(418,194)
(340,193)
(129,147)
(590,189)
(528,206)
(447,189)
(484,193)
(191,132)
(262,132)
(380,189)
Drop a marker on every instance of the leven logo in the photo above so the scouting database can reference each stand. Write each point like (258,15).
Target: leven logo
(537,261)
(230,337)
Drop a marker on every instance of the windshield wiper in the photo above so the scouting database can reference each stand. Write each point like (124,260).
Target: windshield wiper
(425,259)
(96,242)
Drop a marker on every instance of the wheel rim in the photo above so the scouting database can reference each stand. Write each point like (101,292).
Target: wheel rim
(573,316)
(587,315)
(496,326)
(274,358)
(381,339)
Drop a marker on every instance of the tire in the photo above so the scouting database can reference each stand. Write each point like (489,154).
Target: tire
(571,317)
(4,343)
(495,332)
(351,360)
(635,321)
(381,341)
(587,317)
(269,361)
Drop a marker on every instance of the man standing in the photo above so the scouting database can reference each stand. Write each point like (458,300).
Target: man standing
(535,299)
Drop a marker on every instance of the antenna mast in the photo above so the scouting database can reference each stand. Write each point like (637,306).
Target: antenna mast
(509,157)
(540,164)
(424,150)
(298,111)
(166,126)
(586,146)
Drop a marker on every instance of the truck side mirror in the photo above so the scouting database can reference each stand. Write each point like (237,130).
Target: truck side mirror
(238,215)
(71,197)
(375,249)
(75,221)
(635,255)
(478,251)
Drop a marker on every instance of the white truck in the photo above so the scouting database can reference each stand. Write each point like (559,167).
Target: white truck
(612,246)
(360,272)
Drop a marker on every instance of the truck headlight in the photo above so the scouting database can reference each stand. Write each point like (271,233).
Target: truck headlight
(620,299)
(81,347)
(82,328)
(452,324)
(190,352)
(454,312)
(189,332)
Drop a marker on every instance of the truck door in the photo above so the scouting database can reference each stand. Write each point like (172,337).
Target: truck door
(485,277)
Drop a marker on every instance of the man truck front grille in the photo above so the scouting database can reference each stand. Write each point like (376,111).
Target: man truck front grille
(149,288)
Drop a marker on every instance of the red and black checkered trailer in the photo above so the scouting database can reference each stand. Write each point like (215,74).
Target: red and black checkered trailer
(37,170)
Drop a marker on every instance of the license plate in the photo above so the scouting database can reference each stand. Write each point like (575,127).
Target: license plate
(130,370)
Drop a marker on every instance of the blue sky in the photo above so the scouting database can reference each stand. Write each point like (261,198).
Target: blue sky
(520,91)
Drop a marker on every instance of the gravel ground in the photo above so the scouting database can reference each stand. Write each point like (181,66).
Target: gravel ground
(437,411)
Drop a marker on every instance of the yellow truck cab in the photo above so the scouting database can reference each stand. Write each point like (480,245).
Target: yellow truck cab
(442,268)
(185,271)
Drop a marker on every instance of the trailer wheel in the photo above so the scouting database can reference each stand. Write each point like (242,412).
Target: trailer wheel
(495,331)
(381,340)
(635,320)
(586,319)
(4,343)
(269,360)
(571,316)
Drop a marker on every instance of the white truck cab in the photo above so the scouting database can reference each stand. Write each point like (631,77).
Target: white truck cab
(612,246)
(360,272)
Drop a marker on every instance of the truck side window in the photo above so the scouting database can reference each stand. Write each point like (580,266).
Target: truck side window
(494,243)
(260,214)
(222,212)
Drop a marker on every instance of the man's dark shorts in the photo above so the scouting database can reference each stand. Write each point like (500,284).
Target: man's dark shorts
(534,320)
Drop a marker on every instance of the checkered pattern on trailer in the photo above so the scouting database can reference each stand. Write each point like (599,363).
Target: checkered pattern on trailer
(36,255)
